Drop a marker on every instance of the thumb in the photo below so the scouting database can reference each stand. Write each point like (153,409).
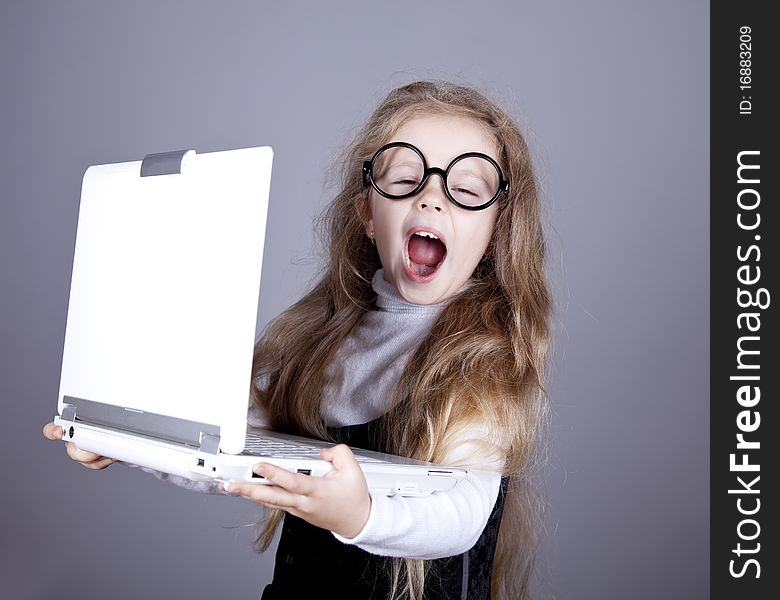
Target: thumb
(52,431)
(341,456)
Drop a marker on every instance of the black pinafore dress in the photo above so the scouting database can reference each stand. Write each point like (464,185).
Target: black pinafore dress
(312,563)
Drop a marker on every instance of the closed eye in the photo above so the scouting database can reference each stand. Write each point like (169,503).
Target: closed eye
(463,190)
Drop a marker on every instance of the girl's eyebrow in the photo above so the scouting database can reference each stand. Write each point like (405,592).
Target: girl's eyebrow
(403,164)
(477,174)
(462,153)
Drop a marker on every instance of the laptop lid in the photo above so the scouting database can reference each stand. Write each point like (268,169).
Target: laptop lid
(165,287)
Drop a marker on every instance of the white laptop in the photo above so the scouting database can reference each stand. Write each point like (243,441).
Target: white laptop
(161,322)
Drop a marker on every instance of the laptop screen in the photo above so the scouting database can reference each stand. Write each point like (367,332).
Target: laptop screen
(165,286)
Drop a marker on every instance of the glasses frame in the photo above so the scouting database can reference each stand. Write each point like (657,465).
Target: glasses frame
(368,176)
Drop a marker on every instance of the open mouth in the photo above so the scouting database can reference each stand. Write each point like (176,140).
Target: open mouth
(425,253)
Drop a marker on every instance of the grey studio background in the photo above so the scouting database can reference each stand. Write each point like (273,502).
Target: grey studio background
(614,98)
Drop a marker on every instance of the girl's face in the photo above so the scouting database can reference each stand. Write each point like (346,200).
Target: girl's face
(424,270)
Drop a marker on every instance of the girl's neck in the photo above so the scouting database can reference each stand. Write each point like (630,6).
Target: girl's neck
(389,300)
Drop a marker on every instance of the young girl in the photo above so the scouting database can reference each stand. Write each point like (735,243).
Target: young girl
(426,337)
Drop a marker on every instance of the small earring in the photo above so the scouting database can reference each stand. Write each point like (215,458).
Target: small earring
(371,237)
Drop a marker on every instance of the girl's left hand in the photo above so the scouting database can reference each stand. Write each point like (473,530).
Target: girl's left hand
(339,501)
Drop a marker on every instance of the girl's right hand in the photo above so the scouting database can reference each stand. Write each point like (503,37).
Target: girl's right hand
(89,459)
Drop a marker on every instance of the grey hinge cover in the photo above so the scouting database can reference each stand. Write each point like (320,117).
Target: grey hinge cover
(163,163)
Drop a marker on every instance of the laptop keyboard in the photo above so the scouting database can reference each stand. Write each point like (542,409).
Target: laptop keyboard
(260,445)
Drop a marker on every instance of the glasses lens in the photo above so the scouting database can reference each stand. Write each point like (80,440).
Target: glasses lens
(397,171)
(473,181)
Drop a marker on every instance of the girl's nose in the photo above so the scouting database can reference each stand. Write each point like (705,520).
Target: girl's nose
(432,196)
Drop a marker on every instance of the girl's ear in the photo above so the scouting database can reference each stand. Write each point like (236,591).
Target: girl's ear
(363,207)
(370,229)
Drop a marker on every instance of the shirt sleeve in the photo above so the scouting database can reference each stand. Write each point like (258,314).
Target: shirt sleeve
(206,487)
(442,524)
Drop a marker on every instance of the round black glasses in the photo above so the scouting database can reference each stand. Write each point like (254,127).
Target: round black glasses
(399,170)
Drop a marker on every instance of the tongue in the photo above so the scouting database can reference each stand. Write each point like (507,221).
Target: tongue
(426,251)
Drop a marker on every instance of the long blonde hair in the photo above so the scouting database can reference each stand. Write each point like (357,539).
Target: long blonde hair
(483,361)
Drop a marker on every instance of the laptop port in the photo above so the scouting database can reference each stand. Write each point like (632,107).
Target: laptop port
(305,471)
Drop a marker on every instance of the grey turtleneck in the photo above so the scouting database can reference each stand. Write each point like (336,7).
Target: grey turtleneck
(361,378)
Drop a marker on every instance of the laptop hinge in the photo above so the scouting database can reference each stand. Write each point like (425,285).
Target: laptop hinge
(163,163)
(209,443)
(203,436)
(69,412)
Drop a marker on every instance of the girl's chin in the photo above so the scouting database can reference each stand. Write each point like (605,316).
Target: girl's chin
(432,291)
(422,298)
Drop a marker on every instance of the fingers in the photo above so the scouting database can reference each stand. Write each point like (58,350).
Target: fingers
(289,491)
(99,464)
(52,431)
(88,459)
(272,496)
(81,455)
(296,483)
